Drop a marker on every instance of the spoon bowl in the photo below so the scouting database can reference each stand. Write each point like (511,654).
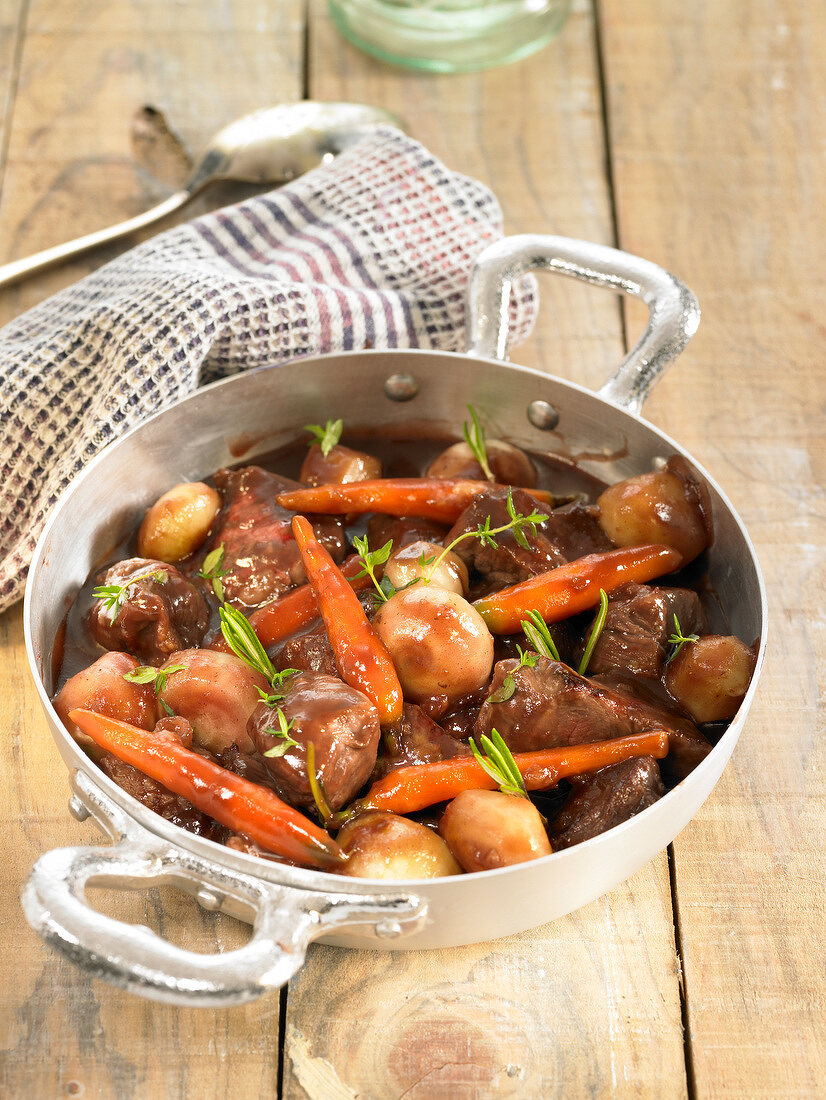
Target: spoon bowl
(269,146)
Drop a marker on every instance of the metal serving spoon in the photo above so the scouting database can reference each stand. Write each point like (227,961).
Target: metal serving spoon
(268,146)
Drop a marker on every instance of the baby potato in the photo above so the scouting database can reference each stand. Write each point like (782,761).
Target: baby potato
(709,678)
(384,845)
(178,522)
(438,642)
(508,464)
(102,688)
(488,829)
(665,506)
(341,466)
(403,568)
(216,692)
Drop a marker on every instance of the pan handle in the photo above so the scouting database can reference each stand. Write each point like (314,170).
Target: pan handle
(285,918)
(673,311)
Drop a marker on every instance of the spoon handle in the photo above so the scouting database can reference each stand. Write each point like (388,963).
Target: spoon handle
(19,269)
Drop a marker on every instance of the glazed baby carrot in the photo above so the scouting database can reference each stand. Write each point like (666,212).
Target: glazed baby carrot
(408,789)
(431,498)
(569,589)
(361,658)
(226,797)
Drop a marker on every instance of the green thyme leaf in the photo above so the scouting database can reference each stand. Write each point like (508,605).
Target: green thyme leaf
(146,674)
(596,630)
(370,559)
(143,674)
(285,742)
(474,435)
(505,692)
(678,639)
(328,436)
(212,570)
(273,698)
(508,687)
(527,659)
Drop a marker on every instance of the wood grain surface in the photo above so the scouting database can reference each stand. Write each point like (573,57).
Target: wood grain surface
(692,135)
(735,200)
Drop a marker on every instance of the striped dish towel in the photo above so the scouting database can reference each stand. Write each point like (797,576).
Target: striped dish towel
(371,250)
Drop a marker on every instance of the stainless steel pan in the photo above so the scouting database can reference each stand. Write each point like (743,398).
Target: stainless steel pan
(289,907)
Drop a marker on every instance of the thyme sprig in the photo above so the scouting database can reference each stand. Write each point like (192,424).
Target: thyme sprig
(474,435)
(678,640)
(113,595)
(486,534)
(499,763)
(328,436)
(285,742)
(596,631)
(370,559)
(508,686)
(212,570)
(245,644)
(536,631)
(146,674)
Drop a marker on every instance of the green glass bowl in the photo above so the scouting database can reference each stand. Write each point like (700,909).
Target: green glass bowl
(449,36)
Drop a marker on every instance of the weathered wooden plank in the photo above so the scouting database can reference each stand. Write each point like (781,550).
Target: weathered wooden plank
(82,153)
(718,162)
(590,1004)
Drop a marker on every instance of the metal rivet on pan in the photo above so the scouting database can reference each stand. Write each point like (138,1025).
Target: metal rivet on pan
(543,415)
(208,899)
(401,387)
(77,809)
(388,929)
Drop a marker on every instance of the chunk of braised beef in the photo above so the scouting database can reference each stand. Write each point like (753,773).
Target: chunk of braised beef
(310,652)
(161,611)
(246,764)
(552,706)
(687,745)
(638,623)
(606,798)
(402,530)
(156,797)
(567,533)
(261,558)
(343,726)
(415,739)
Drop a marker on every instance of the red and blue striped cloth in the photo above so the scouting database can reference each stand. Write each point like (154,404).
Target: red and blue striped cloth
(370,250)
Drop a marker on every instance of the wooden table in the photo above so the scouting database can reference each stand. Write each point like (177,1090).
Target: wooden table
(692,134)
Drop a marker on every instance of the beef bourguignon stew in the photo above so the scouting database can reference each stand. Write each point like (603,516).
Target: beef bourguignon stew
(410,660)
